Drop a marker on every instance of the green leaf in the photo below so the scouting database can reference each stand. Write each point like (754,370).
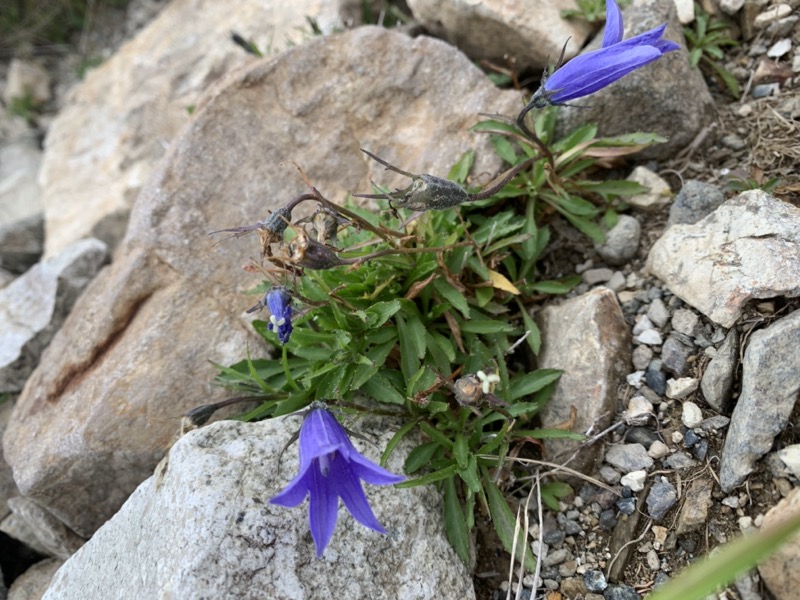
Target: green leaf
(379,388)
(380,312)
(614,187)
(409,360)
(452,295)
(455,524)
(486,326)
(396,438)
(534,338)
(532,382)
(420,456)
(733,559)
(505,521)
(470,474)
(504,149)
(549,434)
(494,126)
(461,169)
(461,451)
(431,477)
(562,286)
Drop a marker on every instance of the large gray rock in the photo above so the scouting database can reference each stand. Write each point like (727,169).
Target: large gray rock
(33,583)
(779,571)
(668,97)
(134,354)
(748,248)
(33,307)
(117,123)
(203,528)
(499,31)
(588,338)
(770,387)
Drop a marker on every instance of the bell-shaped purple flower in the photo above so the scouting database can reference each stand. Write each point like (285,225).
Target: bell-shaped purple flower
(590,72)
(280,306)
(331,468)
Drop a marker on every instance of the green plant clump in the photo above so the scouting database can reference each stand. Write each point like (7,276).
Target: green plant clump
(705,42)
(424,315)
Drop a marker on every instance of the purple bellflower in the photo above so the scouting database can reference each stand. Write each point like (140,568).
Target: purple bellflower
(590,72)
(280,306)
(331,468)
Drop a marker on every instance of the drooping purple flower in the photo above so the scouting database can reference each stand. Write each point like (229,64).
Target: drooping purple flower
(331,468)
(590,72)
(280,306)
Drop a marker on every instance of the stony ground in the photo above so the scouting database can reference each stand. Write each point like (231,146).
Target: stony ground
(587,541)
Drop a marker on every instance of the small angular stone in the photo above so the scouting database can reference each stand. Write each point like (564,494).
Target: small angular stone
(680,388)
(661,499)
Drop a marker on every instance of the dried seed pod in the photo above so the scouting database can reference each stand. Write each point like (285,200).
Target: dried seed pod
(429,192)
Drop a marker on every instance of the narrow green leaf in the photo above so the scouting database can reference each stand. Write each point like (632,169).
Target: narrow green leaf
(504,522)
(461,169)
(504,149)
(486,326)
(455,524)
(533,382)
(380,312)
(420,456)
(409,360)
(461,451)
(452,295)
(470,474)
(431,477)
(379,388)
(396,438)
(736,557)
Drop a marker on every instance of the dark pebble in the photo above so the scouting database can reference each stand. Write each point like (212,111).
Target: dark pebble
(700,450)
(572,527)
(608,520)
(554,538)
(661,498)
(640,435)
(660,580)
(627,506)
(690,438)
(656,380)
(595,580)
(675,355)
(620,591)
(688,545)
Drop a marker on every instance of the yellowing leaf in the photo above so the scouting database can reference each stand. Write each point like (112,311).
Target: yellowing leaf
(501,282)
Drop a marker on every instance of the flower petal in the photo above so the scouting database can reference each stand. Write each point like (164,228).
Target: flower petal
(614,25)
(323,509)
(591,72)
(344,481)
(371,473)
(294,493)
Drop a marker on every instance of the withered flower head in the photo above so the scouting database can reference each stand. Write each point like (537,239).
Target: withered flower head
(272,228)
(308,253)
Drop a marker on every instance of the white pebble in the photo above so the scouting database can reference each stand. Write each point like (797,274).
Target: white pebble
(634,480)
(658,449)
(651,337)
(680,388)
(691,416)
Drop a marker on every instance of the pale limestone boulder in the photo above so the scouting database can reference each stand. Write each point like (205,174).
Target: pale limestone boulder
(33,583)
(134,354)
(588,339)
(668,97)
(118,122)
(203,528)
(748,248)
(21,213)
(530,35)
(33,307)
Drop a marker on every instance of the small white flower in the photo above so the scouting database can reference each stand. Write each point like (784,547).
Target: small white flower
(488,381)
